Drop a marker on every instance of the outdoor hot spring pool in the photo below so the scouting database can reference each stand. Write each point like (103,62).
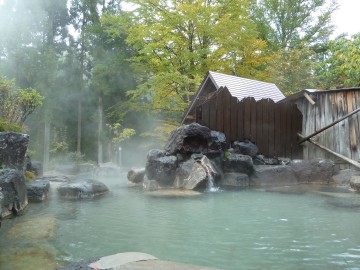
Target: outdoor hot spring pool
(249,229)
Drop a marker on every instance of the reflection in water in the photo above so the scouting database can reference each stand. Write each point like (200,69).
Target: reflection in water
(248,229)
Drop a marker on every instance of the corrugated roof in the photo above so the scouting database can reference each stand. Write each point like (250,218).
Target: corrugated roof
(242,88)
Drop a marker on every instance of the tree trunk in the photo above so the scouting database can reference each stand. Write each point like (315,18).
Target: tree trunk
(78,147)
(46,144)
(100,130)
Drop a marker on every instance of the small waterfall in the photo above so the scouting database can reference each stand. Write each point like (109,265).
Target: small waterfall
(210,184)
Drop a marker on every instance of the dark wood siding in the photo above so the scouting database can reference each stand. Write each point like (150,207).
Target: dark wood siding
(272,127)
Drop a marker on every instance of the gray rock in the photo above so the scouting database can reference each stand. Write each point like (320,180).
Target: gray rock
(245,148)
(202,173)
(342,177)
(234,180)
(150,185)
(217,144)
(355,183)
(238,163)
(13,189)
(313,171)
(82,189)
(154,154)
(38,190)
(56,178)
(193,138)
(162,169)
(183,171)
(13,148)
(278,175)
(136,175)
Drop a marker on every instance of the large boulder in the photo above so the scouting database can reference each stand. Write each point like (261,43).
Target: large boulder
(217,144)
(202,175)
(355,183)
(195,138)
(34,166)
(13,148)
(13,189)
(246,148)
(183,171)
(238,163)
(313,171)
(82,189)
(278,175)
(161,168)
(343,177)
(136,175)
(233,180)
(38,190)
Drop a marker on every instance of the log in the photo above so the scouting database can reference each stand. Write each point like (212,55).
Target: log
(348,160)
(328,126)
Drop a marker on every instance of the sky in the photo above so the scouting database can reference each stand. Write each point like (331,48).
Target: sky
(346,17)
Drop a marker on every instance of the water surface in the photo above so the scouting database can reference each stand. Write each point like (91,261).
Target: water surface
(249,229)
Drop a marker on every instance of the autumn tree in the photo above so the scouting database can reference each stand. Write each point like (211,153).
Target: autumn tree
(177,42)
(297,33)
(341,65)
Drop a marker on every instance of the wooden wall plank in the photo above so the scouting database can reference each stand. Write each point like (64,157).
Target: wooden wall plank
(227,111)
(240,118)
(271,128)
(234,118)
(212,113)
(253,120)
(259,126)
(278,146)
(220,111)
(265,127)
(247,118)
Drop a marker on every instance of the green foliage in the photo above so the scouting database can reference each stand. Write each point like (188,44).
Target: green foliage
(119,134)
(29,176)
(178,42)
(292,70)
(17,104)
(341,66)
(160,134)
(294,24)
(6,126)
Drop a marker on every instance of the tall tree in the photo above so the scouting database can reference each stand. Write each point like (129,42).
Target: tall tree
(341,66)
(294,24)
(179,41)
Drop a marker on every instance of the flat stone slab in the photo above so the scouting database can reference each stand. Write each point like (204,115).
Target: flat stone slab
(117,260)
(161,265)
(173,193)
(140,261)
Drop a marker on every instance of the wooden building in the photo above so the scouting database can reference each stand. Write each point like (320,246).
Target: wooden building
(330,124)
(247,109)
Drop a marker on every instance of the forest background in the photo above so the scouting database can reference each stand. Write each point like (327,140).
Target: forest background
(87,77)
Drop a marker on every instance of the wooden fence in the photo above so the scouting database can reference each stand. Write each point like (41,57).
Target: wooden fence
(272,127)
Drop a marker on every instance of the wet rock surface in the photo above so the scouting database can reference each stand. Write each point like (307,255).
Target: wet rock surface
(238,163)
(13,148)
(343,177)
(246,148)
(38,190)
(136,175)
(13,189)
(82,189)
(310,171)
(234,180)
(161,169)
(278,175)
(355,183)
(193,138)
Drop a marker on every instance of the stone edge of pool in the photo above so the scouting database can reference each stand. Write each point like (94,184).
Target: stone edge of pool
(131,261)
